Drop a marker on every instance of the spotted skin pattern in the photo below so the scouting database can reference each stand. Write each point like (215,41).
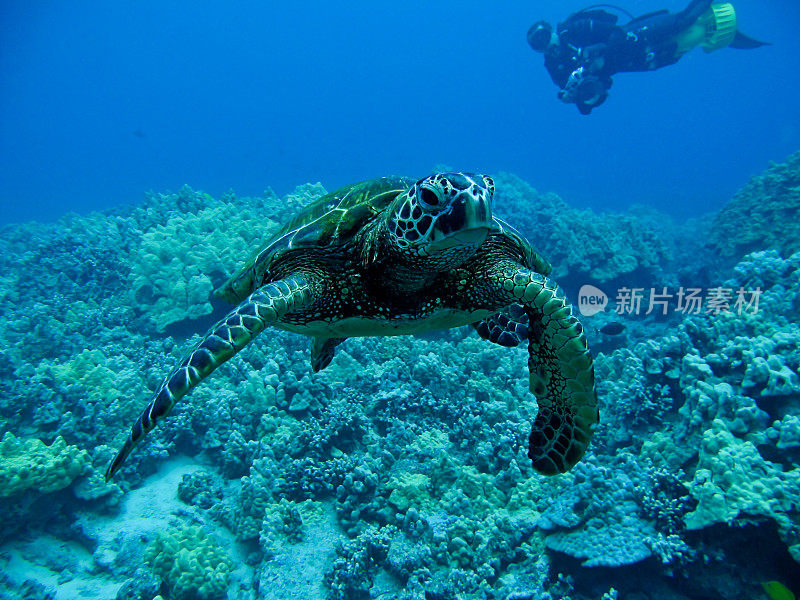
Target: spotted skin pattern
(378,259)
(561,374)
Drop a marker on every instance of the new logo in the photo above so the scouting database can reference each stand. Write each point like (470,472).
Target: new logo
(591,300)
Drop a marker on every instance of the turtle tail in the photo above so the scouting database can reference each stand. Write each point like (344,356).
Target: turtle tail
(262,308)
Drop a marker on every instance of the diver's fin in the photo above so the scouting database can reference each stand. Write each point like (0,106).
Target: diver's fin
(743,42)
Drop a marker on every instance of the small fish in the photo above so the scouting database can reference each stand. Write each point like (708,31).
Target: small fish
(612,328)
(777,591)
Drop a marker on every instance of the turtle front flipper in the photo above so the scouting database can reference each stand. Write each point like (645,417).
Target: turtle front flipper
(561,372)
(262,308)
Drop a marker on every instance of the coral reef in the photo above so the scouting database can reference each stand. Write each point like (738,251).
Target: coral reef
(400,471)
(762,215)
(190,564)
(30,464)
(176,265)
(581,243)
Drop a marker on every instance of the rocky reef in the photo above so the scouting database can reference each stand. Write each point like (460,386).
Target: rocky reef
(762,216)
(399,472)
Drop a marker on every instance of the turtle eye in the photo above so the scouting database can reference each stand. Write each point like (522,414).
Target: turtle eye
(428,198)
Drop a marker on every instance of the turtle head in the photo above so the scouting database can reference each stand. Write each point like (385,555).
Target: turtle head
(444,216)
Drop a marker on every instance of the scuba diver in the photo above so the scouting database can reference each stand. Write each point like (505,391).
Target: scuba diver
(589,47)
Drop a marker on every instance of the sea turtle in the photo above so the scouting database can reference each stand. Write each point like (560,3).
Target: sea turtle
(391,256)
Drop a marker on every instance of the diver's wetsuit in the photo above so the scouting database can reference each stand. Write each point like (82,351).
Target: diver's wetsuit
(649,42)
(592,47)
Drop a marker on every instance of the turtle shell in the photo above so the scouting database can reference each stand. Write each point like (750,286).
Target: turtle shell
(330,220)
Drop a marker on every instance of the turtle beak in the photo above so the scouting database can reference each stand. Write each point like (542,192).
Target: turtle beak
(470,238)
(467,223)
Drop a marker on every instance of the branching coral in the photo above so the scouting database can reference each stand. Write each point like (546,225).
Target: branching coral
(356,564)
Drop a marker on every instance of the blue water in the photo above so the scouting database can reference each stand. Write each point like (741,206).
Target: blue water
(401,471)
(100,102)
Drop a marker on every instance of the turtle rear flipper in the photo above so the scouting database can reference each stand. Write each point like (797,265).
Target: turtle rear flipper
(262,308)
(561,374)
(322,352)
(508,328)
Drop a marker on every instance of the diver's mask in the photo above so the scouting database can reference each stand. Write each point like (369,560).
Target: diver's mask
(541,35)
